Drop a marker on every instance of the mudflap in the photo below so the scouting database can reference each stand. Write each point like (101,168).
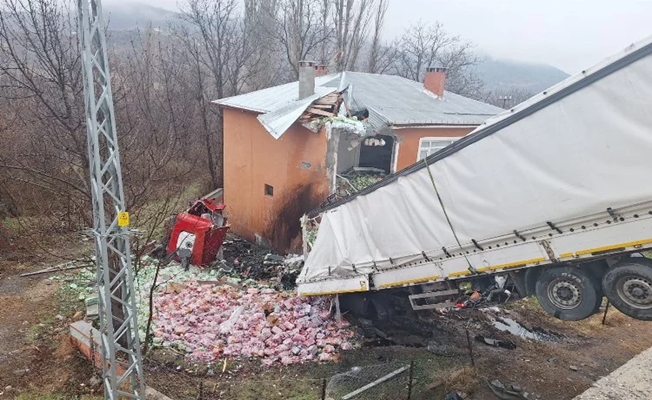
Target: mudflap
(518,279)
(373,306)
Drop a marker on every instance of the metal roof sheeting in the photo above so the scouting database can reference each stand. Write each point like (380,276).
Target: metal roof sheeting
(390,99)
(280,120)
(401,101)
(270,99)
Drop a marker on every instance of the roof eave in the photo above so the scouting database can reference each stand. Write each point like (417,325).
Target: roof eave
(239,107)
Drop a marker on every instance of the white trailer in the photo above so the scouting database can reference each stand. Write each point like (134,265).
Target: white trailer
(554,192)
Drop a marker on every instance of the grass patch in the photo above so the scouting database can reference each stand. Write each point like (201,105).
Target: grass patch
(41,332)
(11,225)
(464,380)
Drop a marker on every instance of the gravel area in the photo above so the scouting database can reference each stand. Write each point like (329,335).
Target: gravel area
(631,381)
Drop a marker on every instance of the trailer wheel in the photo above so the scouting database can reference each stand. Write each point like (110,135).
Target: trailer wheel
(568,293)
(628,286)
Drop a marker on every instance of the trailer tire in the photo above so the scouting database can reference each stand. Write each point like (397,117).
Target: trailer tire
(628,286)
(568,293)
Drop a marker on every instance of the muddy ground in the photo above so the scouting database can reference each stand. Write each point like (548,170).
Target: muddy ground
(37,361)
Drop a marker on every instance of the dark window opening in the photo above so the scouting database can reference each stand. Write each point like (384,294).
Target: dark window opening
(376,152)
(269,190)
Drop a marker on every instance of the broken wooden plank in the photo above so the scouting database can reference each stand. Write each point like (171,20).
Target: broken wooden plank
(210,282)
(326,100)
(54,269)
(381,334)
(320,112)
(329,97)
(322,106)
(375,383)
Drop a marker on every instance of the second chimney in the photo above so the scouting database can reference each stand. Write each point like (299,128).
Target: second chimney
(435,80)
(306,79)
(321,70)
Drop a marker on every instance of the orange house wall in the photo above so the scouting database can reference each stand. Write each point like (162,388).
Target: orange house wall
(409,141)
(253,158)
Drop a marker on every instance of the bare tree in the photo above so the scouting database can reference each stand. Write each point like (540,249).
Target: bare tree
(259,20)
(301,30)
(375,50)
(211,32)
(41,86)
(352,21)
(153,110)
(324,55)
(423,46)
(43,160)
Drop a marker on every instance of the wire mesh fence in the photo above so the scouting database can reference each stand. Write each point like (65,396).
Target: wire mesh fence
(372,382)
(393,380)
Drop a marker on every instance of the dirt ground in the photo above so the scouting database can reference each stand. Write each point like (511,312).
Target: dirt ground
(38,362)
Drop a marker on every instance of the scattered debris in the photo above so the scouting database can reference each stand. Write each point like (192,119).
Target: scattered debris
(211,322)
(455,395)
(507,392)
(444,350)
(175,287)
(356,179)
(573,368)
(375,383)
(244,260)
(95,381)
(505,344)
(327,106)
(515,328)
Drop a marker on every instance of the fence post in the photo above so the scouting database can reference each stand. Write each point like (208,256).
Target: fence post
(200,390)
(409,396)
(468,341)
(323,389)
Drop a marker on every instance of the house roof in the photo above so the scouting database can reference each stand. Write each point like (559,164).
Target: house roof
(391,100)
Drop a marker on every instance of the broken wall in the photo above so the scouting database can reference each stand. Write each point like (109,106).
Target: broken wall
(347,159)
(268,183)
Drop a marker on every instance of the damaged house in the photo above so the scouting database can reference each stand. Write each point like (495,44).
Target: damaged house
(288,147)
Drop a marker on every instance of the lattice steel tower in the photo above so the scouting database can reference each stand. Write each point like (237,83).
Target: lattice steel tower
(117,308)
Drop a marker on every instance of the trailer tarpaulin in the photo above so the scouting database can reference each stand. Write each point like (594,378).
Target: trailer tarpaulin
(581,147)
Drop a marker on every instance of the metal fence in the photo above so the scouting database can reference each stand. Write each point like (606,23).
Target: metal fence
(382,381)
(387,381)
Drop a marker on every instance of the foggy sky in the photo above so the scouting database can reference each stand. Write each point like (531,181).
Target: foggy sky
(569,34)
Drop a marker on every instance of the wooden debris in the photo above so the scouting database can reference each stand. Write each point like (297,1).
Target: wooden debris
(374,383)
(320,112)
(326,106)
(175,288)
(56,268)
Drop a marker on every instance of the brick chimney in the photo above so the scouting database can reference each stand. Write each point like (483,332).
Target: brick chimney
(435,80)
(306,79)
(321,70)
